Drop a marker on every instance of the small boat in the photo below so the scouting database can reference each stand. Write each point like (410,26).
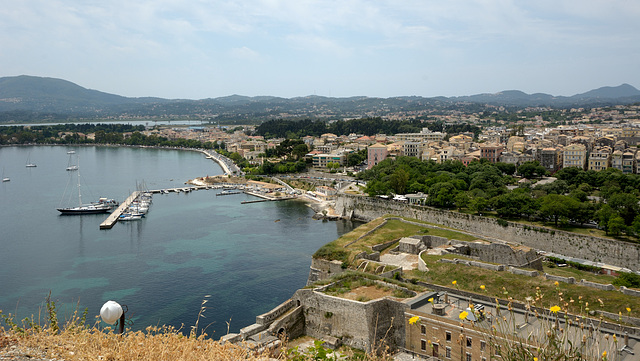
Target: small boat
(5,179)
(29,164)
(71,152)
(130,217)
(71,166)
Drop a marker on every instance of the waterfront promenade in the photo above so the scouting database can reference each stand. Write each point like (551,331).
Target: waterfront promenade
(225,163)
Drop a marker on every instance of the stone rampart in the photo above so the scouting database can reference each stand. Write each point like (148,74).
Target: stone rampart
(569,280)
(291,325)
(322,269)
(362,325)
(595,249)
(629,291)
(523,272)
(392,273)
(600,286)
(381,246)
(267,318)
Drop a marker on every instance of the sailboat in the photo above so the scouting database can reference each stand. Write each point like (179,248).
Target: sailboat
(29,164)
(71,166)
(5,179)
(90,208)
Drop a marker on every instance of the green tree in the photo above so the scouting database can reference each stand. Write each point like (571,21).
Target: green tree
(616,225)
(531,169)
(442,195)
(555,206)
(398,180)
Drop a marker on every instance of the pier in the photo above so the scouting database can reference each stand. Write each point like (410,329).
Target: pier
(113,217)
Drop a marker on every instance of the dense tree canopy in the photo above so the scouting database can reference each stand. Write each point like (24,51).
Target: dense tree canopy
(281,128)
(608,198)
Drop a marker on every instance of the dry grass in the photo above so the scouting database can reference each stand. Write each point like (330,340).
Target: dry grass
(75,341)
(155,343)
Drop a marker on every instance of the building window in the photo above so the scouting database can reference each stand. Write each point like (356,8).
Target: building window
(482,345)
(468,358)
(484,358)
(448,336)
(448,352)
(423,345)
(468,341)
(423,329)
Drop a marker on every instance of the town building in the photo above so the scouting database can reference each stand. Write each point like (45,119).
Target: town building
(599,158)
(322,160)
(376,154)
(424,135)
(574,155)
(491,152)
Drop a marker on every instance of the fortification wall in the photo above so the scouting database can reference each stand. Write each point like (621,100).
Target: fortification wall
(596,249)
(362,325)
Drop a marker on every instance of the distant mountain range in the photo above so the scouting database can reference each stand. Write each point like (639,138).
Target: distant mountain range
(38,97)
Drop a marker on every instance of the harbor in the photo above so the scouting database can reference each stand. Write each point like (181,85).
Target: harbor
(113,217)
(123,212)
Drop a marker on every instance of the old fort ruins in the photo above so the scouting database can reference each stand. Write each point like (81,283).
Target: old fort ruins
(331,309)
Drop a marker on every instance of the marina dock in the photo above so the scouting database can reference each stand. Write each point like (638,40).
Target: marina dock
(113,217)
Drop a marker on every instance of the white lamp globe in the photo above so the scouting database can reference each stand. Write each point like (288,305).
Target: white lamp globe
(111,312)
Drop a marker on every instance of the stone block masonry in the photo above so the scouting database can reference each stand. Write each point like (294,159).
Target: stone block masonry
(362,325)
(569,280)
(590,248)
(600,286)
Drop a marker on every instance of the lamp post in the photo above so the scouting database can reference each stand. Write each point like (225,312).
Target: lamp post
(110,312)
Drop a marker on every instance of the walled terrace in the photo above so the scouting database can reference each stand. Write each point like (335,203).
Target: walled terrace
(596,249)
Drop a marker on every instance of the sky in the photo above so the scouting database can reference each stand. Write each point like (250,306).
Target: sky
(196,49)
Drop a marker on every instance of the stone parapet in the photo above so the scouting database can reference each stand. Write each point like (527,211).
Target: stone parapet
(519,271)
(268,317)
(600,286)
(629,291)
(569,280)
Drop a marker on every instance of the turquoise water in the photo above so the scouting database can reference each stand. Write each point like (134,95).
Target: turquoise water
(189,246)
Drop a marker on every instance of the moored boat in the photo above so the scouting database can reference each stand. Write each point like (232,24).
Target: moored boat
(104,205)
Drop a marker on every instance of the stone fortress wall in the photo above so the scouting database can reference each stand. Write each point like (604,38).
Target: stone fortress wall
(590,248)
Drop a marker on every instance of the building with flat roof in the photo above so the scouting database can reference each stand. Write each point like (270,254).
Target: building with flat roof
(453,326)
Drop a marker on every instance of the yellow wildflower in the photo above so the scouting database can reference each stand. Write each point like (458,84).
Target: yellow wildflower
(604,353)
(463,315)
(431,300)
(482,287)
(555,309)
(454,282)
(628,310)
(556,283)
(535,359)
(413,320)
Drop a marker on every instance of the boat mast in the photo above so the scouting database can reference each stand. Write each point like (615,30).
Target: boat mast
(79,194)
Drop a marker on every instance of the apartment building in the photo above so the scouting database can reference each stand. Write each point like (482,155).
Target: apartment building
(424,135)
(574,155)
(550,158)
(624,160)
(599,158)
(376,154)
(491,152)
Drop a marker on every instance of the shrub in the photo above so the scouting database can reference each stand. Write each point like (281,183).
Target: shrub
(631,280)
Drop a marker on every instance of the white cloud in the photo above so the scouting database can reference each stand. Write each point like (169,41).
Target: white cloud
(244,53)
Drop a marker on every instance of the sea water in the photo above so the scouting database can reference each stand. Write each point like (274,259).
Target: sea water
(247,257)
